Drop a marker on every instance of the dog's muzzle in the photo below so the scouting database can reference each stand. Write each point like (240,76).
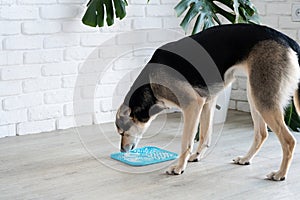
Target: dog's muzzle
(127,147)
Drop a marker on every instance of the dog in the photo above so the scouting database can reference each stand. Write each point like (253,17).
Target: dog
(191,72)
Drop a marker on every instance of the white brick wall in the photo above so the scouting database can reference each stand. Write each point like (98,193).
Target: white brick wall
(45,112)
(9,130)
(20,72)
(22,101)
(10,58)
(44,47)
(12,117)
(59,96)
(10,88)
(18,12)
(22,43)
(276,14)
(45,56)
(11,28)
(58,11)
(58,69)
(41,84)
(40,27)
(35,126)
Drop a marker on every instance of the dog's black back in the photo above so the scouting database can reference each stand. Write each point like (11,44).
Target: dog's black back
(241,38)
(227,45)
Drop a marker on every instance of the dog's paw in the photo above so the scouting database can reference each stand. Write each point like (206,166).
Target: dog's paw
(241,161)
(194,158)
(175,170)
(276,176)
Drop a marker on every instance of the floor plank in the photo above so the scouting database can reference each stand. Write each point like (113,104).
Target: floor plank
(75,164)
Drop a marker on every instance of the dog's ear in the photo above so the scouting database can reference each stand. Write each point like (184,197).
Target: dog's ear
(124,110)
(157,108)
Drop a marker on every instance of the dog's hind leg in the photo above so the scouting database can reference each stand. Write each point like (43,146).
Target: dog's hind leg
(275,120)
(191,114)
(260,133)
(273,76)
(206,118)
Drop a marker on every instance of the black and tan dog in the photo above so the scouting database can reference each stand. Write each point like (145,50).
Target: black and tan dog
(190,73)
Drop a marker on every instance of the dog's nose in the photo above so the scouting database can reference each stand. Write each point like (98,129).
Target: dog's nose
(127,147)
(122,150)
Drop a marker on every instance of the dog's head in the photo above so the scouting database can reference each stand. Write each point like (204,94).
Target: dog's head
(131,128)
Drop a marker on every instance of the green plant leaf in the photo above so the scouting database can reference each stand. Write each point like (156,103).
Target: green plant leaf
(90,16)
(182,6)
(109,12)
(236,6)
(215,17)
(291,118)
(192,12)
(97,9)
(206,12)
(198,24)
(205,9)
(228,3)
(229,16)
(120,9)
(100,15)
(248,11)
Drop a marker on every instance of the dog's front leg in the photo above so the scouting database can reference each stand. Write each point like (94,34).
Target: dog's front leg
(206,129)
(191,116)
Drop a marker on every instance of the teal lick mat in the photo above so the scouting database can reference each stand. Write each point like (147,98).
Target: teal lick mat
(144,156)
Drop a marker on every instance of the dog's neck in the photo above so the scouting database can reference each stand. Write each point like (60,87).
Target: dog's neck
(140,101)
(140,98)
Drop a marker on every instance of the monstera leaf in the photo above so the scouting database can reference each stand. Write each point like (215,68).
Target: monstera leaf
(245,12)
(242,11)
(94,15)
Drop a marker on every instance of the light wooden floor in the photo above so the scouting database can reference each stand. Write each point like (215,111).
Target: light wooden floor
(57,165)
